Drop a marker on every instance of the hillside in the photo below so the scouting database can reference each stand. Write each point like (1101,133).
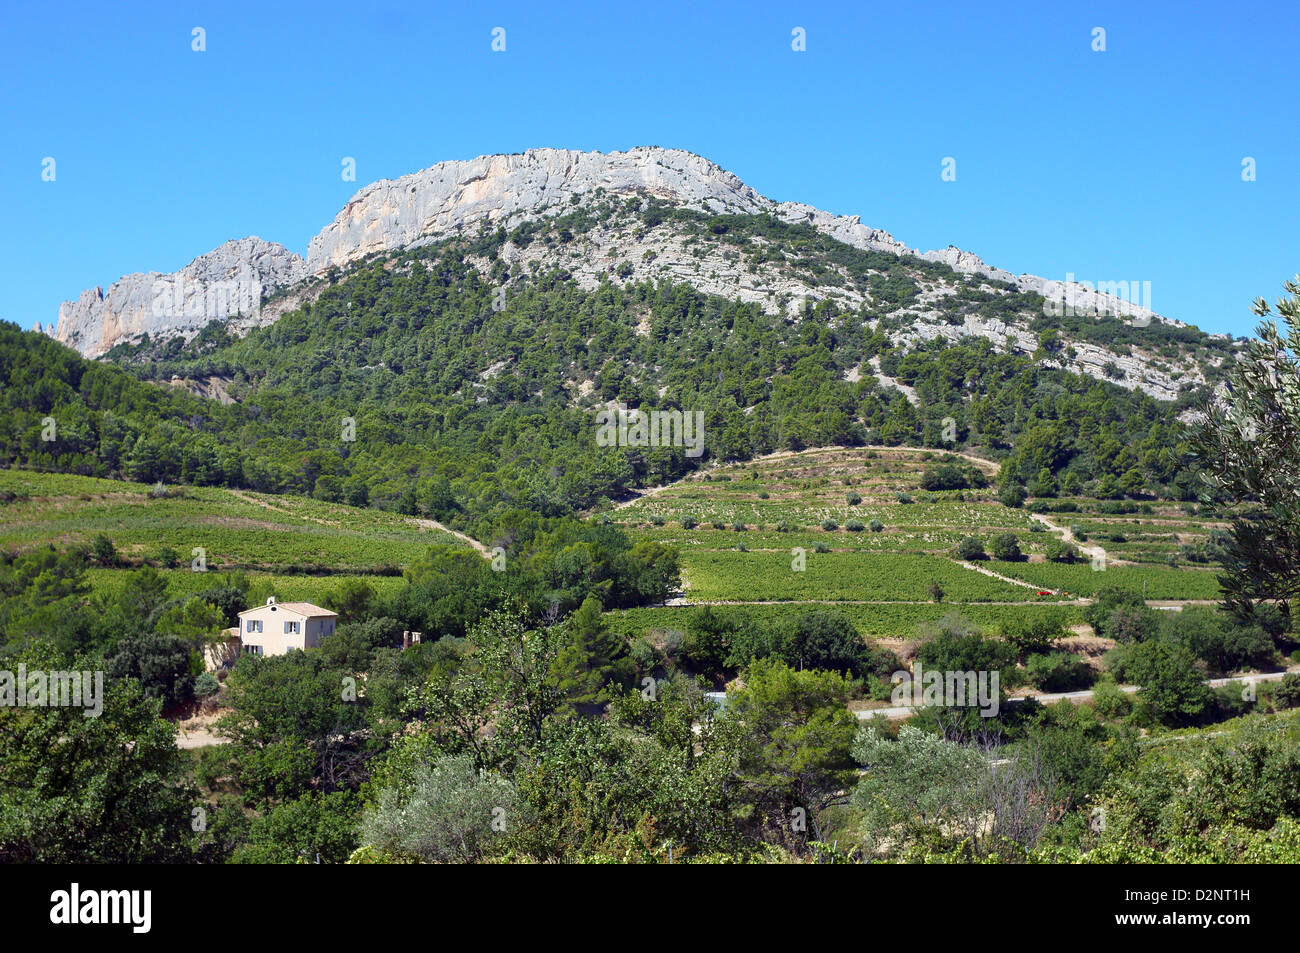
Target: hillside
(872,541)
(416,383)
(780,256)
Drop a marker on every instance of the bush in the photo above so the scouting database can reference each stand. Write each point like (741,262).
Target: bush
(904,498)
(821,547)
(1059,551)
(944,478)
(971,548)
(830,525)
(1059,672)
(689,522)
(875,526)
(1006,547)
(1287,692)
(103,550)
(1012,495)
(854,526)
(1037,635)
(206,685)
(1109,700)
(853,499)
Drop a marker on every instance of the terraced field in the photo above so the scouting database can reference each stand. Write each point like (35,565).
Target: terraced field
(875,544)
(236,529)
(837,576)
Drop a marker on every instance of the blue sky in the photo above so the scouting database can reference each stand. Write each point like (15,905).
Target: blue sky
(1116,165)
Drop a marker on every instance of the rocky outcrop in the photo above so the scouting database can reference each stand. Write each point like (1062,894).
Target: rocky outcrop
(229,280)
(497,190)
(508,189)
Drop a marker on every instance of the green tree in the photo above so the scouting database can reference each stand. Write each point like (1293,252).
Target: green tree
(1249,446)
(86,790)
(447,811)
(798,732)
(593,660)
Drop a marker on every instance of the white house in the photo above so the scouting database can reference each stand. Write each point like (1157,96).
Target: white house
(277,627)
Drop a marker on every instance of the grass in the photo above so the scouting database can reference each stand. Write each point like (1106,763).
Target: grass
(235,529)
(182,582)
(1161,582)
(737,576)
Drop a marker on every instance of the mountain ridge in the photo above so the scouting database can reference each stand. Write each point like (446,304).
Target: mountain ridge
(503,191)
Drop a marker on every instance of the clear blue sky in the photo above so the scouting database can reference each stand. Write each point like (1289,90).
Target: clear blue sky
(1122,165)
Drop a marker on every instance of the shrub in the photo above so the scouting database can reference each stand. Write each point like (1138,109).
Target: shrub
(854,526)
(821,548)
(1109,700)
(1062,552)
(206,684)
(875,526)
(1287,693)
(830,525)
(689,522)
(103,550)
(853,499)
(1058,672)
(944,478)
(971,548)
(1006,547)
(1012,495)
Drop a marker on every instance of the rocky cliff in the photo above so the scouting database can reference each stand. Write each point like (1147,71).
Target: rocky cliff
(505,190)
(228,281)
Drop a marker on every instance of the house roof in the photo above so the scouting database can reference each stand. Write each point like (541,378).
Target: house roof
(297,608)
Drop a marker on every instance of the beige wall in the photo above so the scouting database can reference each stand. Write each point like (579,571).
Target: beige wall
(273,639)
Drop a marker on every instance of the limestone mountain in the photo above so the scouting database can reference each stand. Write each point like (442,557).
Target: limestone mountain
(458,198)
(228,281)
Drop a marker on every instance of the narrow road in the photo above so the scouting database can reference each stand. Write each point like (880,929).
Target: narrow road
(998,575)
(906,711)
(1091,550)
(413,520)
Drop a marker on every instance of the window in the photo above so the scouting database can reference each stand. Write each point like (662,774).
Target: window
(252,650)
(254,625)
(291,628)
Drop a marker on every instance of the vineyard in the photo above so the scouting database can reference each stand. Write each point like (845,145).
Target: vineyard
(234,529)
(881,546)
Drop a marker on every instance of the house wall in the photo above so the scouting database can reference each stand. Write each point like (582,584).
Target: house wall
(273,639)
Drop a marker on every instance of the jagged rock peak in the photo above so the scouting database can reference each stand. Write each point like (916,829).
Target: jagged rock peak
(227,281)
(505,189)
